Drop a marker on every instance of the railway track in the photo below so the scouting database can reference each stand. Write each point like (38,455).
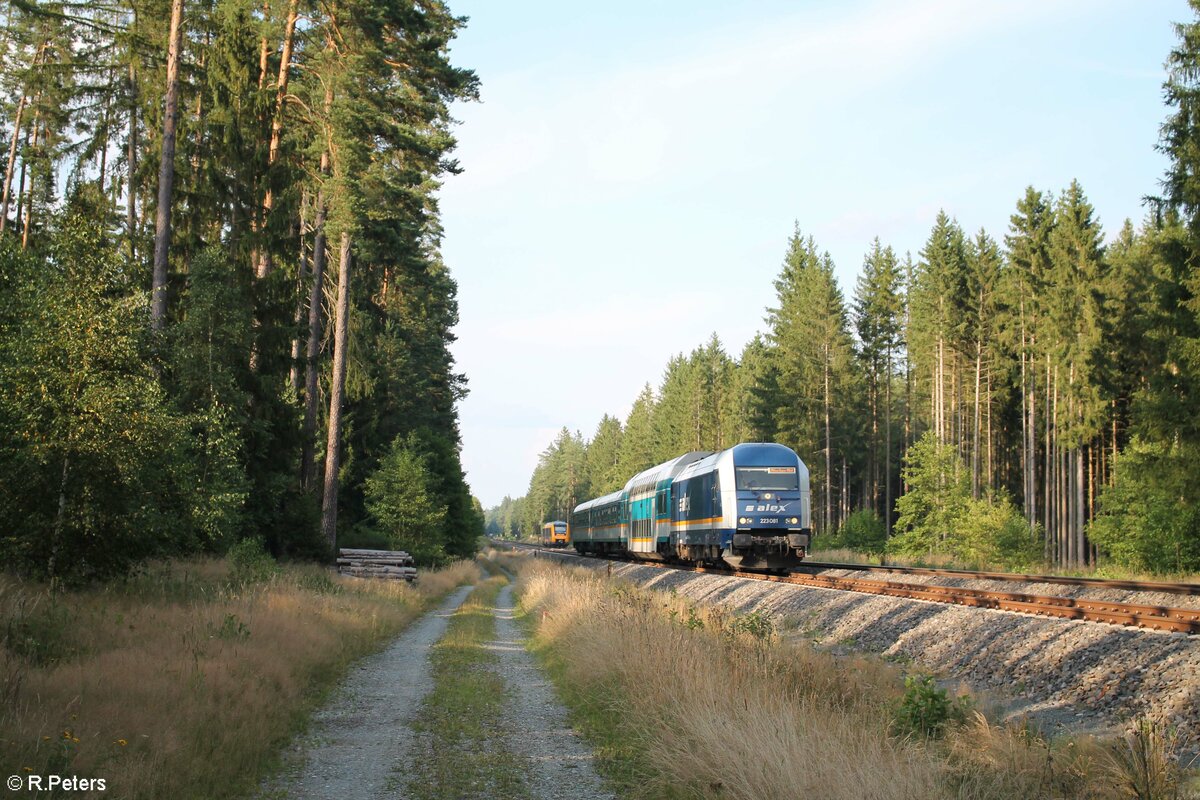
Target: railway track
(1095,583)
(1155,617)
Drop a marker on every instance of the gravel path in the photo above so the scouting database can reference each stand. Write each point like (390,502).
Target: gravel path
(560,764)
(362,733)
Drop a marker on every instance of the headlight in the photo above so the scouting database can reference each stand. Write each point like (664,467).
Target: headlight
(767,495)
(743,521)
(793,521)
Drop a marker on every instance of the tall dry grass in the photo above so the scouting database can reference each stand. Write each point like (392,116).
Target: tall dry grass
(184,681)
(723,707)
(728,710)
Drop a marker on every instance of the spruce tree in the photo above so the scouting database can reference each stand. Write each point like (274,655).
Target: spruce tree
(813,357)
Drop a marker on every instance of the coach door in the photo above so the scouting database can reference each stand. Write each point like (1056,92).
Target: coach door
(662,513)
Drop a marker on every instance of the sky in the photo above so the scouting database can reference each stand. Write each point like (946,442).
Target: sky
(633,171)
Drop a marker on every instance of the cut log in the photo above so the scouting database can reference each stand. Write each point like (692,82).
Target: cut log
(350,551)
(382,564)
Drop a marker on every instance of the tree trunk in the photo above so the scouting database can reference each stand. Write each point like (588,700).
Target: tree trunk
(104,126)
(263,50)
(828,453)
(166,172)
(37,129)
(975,435)
(131,156)
(285,63)
(887,448)
(311,373)
(337,390)
(59,519)
(908,408)
(12,162)
(21,182)
(874,470)
(1048,493)
(298,317)
(1080,537)
(991,455)
(1027,498)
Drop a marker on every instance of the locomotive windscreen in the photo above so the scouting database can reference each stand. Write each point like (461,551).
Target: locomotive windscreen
(778,479)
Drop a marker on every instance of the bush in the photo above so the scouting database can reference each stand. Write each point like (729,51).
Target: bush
(938,515)
(926,710)
(936,498)
(251,563)
(994,532)
(864,531)
(1150,518)
(95,472)
(403,506)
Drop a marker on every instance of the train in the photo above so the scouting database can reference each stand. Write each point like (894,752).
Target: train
(556,534)
(747,507)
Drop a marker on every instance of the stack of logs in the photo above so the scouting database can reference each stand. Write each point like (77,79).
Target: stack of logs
(387,564)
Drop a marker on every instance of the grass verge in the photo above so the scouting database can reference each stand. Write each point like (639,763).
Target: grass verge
(688,701)
(188,679)
(463,752)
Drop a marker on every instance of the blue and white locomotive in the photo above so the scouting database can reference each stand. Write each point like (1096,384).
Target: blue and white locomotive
(748,506)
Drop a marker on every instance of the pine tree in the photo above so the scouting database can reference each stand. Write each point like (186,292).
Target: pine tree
(1075,325)
(1028,246)
(878,310)
(638,447)
(755,384)
(603,453)
(984,264)
(813,357)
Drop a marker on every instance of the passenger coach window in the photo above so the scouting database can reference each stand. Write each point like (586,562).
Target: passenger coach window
(777,479)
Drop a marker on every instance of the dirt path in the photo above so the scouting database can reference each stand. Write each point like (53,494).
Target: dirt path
(361,744)
(361,736)
(560,764)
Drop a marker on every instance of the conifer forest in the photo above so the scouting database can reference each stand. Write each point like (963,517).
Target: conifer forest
(223,312)
(1019,397)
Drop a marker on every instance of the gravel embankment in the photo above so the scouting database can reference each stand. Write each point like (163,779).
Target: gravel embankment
(1085,676)
(359,739)
(561,765)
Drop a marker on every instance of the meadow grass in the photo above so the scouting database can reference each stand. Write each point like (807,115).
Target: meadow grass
(690,701)
(188,678)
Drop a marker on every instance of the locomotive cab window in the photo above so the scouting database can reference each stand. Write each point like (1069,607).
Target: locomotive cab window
(774,479)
